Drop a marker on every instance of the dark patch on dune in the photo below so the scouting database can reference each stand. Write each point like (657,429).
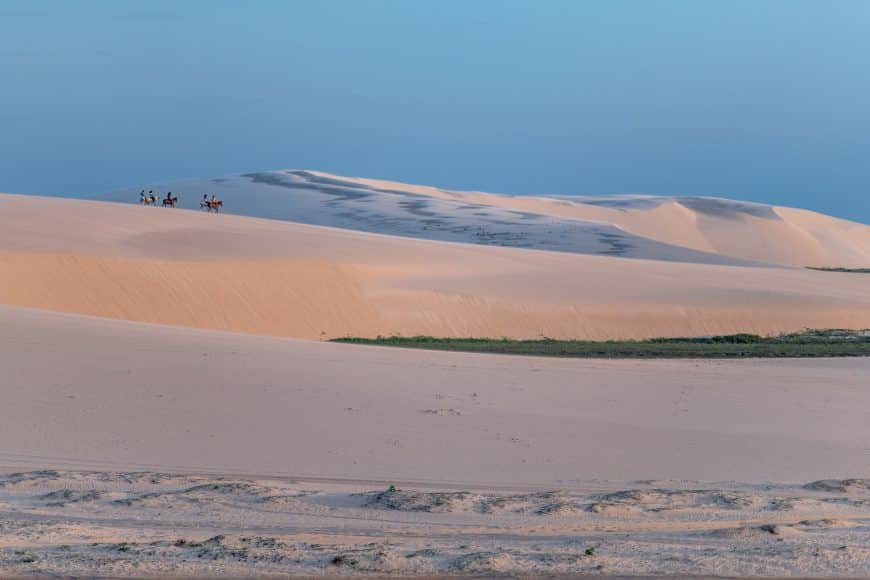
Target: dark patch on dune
(617,202)
(616,244)
(343,193)
(542,503)
(29,476)
(726,208)
(545,503)
(208,493)
(840,485)
(655,500)
(413,501)
(63,497)
(527,215)
(318,180)
(754,532)
(321,180)
(418,207)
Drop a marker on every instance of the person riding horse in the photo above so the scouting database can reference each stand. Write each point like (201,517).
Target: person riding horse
(148,199)
(210,204)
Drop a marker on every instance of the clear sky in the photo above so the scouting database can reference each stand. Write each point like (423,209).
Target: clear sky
(759,100)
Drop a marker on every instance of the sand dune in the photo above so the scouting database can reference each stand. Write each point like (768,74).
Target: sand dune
(83,392)
(271,277)
(691,229)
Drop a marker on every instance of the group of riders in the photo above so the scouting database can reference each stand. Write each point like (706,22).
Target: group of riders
(208,203)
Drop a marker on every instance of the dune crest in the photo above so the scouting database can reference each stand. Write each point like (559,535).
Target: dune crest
(686,229)
(257,276)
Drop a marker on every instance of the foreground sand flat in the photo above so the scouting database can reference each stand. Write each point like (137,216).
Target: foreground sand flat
(277,278)
(88,392)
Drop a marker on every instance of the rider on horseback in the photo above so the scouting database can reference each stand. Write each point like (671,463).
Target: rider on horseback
(211,204)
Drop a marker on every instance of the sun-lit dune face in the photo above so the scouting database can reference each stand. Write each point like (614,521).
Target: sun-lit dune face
(685,229)
(272,277)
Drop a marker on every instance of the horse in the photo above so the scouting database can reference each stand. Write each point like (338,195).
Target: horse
(211,205)
(148,200)
(170,201)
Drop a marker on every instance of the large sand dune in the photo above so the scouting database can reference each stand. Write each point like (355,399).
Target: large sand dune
(693,229)
(272,277)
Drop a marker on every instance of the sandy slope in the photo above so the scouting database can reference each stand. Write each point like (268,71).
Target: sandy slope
(90,392)
(752,231)
(272,277)
(692,229)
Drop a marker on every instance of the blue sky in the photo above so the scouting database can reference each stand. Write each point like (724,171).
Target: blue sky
(756,100)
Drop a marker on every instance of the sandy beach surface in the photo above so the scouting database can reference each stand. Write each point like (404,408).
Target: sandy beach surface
(170,406)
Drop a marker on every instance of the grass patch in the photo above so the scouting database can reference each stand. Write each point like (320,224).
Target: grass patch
(849,270)
(810,343)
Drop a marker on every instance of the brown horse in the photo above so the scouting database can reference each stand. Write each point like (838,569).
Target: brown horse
(210,205)
(170,201)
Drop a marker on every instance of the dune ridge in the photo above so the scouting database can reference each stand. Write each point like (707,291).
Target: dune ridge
(685,228)
(259,276)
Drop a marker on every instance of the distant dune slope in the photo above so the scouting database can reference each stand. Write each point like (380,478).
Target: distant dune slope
(278,278)
(688,229)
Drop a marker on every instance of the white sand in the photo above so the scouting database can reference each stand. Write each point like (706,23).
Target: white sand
(83,391)
(690,229)
(270,277)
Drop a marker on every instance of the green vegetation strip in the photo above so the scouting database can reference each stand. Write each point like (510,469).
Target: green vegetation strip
(849,270)
(811,343)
